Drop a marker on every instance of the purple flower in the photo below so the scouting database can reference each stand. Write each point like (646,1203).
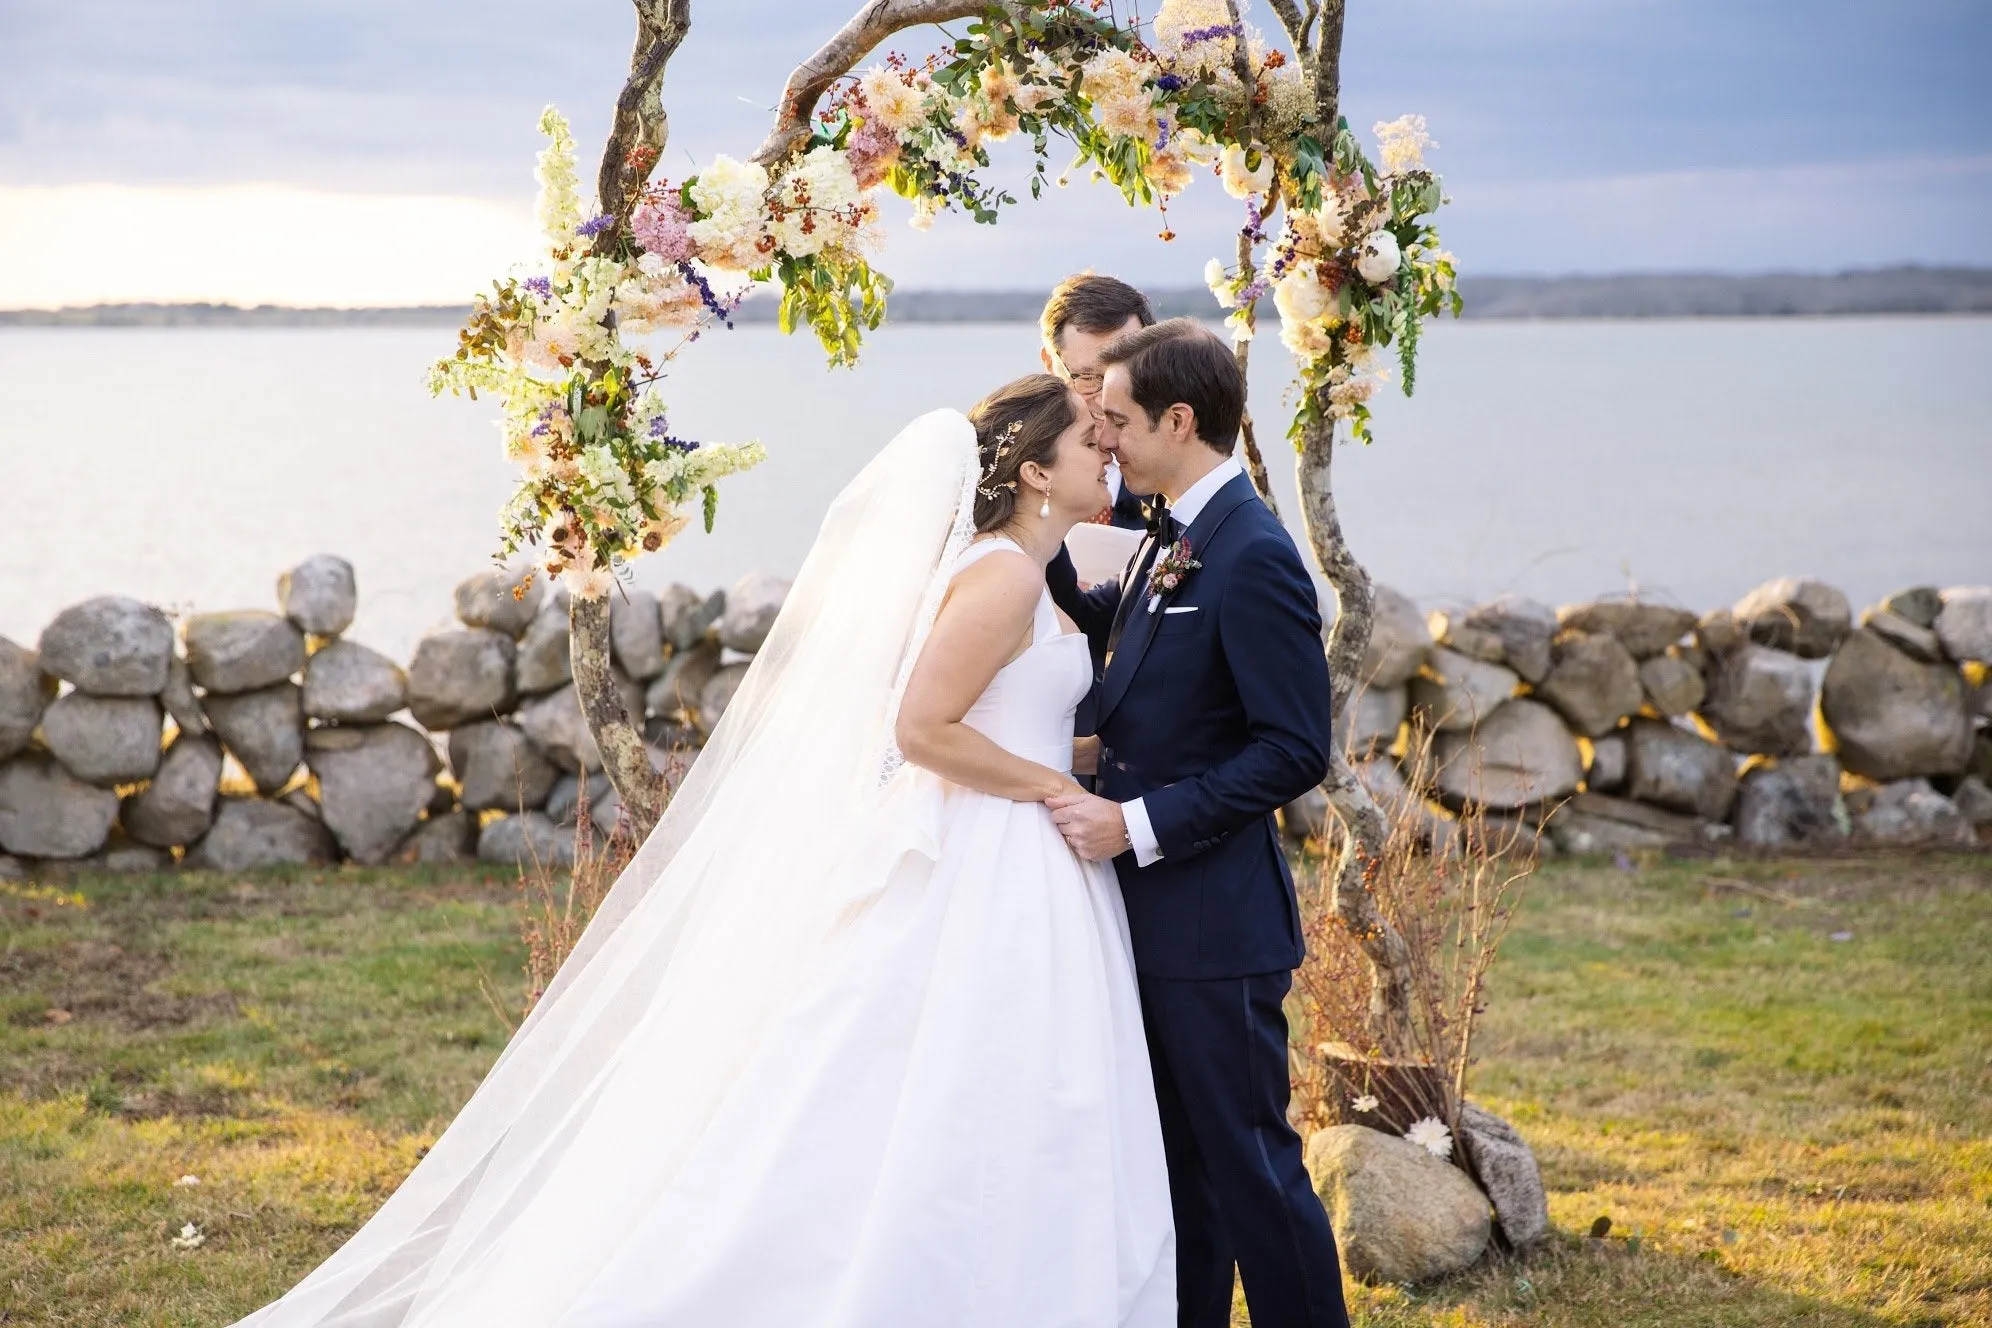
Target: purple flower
(1195,35)
(1169,83)
(720,309)
(596,225)
(1162,133)
(540,286)
(1253,291)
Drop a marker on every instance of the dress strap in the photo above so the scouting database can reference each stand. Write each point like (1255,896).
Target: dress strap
(981,549)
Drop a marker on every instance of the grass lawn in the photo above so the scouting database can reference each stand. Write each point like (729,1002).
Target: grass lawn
(1775,1079)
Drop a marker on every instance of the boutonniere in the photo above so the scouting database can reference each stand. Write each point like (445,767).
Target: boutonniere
(1172,567)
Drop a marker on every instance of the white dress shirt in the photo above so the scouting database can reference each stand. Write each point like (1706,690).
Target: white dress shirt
(1140,834)
(1113,483)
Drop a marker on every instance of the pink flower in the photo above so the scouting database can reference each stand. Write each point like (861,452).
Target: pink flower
(873,149)
(660,226)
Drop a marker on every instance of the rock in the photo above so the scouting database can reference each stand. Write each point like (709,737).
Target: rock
(1673,768)
(1374,717)
(1965,623)
(1606,773)
(499,768)
(121,857)
(1892,717)
(545,660)
(1463,638)
(374,783)
(1459,692)
(1525,628)
(1973,799)
(319,595)
(1808,618)
(1384,779)
(1673,685)
(1306,817)
(1400,1214)
(1919,643)
(1760,700)
(717,694)
(45,812)
(1399,641)
(636,640)
(503,600)
(25,692)
(249,833)
(449,837)
(177,807)
(558,728)
(12,868)
(242,651)
(104,740)
(1718,633)
(527,840)
(348,683)
(1509,1174)
(677,690)
(459,676)
(1790,802)
(264,730)
(1643,629)
(109,646)
(1594,823)
(751,608)
(685,617)
(1908,811)
(301,800)
(1522,754)
(1593,683)
(1920,605)
(179,698)
(563,802)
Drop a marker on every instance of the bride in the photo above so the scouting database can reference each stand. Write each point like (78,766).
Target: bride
(855,1039)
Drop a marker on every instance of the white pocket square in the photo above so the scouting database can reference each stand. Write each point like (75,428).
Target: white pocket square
(1185,608)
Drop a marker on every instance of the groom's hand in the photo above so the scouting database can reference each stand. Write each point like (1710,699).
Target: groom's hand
(1092,825)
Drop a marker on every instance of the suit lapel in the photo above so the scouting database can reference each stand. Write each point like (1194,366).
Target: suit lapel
(1140,627)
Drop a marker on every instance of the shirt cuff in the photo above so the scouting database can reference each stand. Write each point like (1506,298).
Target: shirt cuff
(1140,834)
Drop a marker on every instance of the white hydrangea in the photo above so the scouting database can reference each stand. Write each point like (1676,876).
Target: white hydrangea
(1241,180)
(821,201)
(730,196)
(1377,261)
(601,469)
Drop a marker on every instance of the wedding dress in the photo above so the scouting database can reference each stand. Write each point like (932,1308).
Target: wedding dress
(846,1045)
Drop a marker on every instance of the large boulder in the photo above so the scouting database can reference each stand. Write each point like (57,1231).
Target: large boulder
(1593,683)
(177,807)
(1908,811)
(499,768)
(1609,757)
(1792,801)
(1457,691)
(179,699)
(109,646)
(1399,641)
(1643,629)
(503,600)
(1964,624)
(460,675)
(374,782)
(1672,684)
(559,729)
(717,695)
(636,637)
(348,683)
(1525,628)
(104,740)
(1808,618)
(1596,823)
(686,617)
(264,730)
(442,839)
(752,606)
(564,801)
(46,812)
(122,857)
(242,651)
(1399,1213)
(1973,797)
(1454,633)
(1911,638)
(1306,817)
(1673,768)
(1893,717)
(319,595)
(545,660)
(25,692)
(1508,1171)
(1373,718)
(1522,754)
(528,840)
(1919,604)
(249,833)
(1760,700)
(677,689)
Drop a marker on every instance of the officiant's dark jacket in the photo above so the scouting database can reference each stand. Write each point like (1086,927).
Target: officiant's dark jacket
(1215,716)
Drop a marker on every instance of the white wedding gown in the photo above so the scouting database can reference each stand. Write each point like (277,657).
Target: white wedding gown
(835,1052)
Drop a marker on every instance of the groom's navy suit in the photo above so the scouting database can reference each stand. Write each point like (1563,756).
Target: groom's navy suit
(1215,715)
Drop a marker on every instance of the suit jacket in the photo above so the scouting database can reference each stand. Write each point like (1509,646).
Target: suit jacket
(1215,716)
(1130,511)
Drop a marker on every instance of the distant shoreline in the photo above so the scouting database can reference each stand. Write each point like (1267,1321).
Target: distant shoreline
(1895,290)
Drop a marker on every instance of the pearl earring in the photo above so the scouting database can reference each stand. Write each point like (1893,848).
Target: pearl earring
(1044,509)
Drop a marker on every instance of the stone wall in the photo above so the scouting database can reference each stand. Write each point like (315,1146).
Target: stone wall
(229,741)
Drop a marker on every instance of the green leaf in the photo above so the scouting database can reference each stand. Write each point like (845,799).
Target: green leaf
(711,507)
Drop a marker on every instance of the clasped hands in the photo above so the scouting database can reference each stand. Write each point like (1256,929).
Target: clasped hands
(1094,826)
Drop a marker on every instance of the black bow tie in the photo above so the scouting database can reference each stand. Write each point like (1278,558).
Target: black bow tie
(1160,523)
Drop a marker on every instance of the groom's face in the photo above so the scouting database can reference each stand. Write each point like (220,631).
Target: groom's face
(1126,432)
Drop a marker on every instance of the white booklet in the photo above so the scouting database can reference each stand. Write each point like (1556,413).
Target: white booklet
(1101,553)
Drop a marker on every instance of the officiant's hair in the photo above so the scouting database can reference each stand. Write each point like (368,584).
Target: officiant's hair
(1092,303)
(1181,360)
(1018,422)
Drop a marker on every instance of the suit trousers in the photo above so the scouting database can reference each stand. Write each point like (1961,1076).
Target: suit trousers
(1241,1195)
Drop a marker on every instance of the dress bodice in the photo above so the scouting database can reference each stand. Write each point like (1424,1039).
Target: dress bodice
(1028,707)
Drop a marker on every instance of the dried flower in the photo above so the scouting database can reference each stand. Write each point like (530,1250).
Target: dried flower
(1367,1102)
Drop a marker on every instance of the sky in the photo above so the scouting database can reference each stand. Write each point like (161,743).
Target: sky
(354,152)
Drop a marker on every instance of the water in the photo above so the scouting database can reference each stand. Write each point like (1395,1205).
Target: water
(1562,460)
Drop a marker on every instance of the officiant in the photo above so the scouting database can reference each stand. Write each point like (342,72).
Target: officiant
(1084,313)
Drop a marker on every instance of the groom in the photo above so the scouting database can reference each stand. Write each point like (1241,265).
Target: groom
(1213,712)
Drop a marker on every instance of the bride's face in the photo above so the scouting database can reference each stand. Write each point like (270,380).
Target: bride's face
(1078,471)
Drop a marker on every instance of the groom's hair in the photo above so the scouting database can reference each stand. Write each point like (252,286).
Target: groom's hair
(1092,303)
(1182,361)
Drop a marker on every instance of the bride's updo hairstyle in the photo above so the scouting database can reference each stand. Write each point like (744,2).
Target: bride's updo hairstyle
(1018,422)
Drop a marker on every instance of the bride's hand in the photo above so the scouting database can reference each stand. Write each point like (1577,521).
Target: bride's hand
(1066,788)
(1085,756)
